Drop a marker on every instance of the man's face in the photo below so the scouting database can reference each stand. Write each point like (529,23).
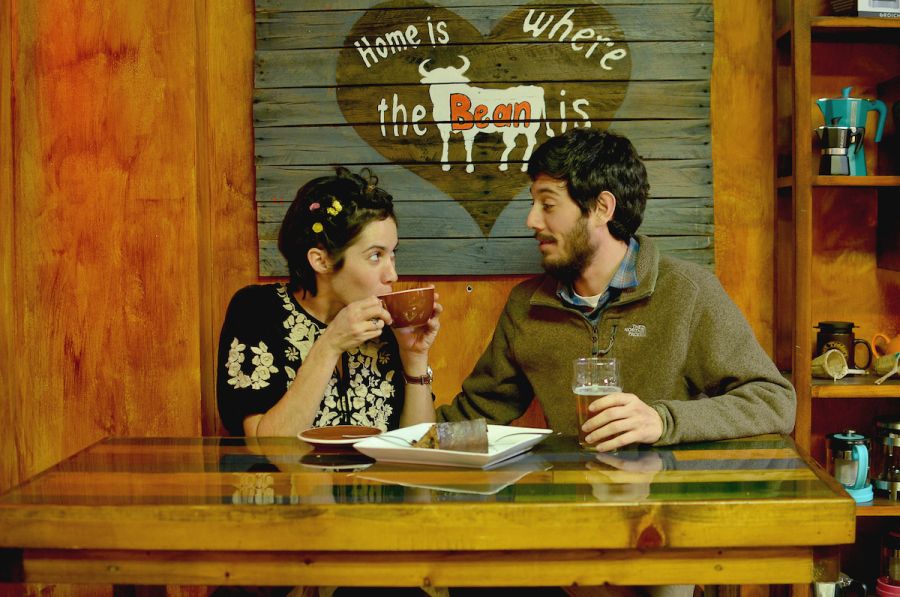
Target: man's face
(560,228)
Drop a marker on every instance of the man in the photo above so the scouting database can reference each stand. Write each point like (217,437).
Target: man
(690,365)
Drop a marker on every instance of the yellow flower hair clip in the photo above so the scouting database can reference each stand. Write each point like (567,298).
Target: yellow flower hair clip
(317,227)
(335,208)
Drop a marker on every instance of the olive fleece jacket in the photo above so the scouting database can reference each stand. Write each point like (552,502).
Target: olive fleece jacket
(683,347)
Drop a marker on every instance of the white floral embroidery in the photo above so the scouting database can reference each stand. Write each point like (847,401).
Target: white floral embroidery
(263,360)
(236,377)
(371,392)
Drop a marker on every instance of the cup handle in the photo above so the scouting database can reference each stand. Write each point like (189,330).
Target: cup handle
(868,352)
(875,339)
(862,468)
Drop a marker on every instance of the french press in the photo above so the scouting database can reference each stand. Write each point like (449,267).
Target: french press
(890,558)
(887,433)
(848,462)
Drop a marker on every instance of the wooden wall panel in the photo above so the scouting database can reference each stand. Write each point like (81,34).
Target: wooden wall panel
(104,249)
(230,220)
(743,166)
(117,313)
(369,85)
(8,404)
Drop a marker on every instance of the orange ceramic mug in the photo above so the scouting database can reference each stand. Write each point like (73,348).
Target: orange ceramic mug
(883,345)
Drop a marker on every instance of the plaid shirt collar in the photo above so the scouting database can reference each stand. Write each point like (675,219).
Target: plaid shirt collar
(625,277)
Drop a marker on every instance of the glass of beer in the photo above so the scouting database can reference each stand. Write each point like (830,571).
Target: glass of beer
(593,377)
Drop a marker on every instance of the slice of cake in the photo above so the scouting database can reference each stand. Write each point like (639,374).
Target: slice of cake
(462,436)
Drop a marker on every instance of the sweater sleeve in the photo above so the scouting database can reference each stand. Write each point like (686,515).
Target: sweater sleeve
(252,377)
(496,389)
(739,390)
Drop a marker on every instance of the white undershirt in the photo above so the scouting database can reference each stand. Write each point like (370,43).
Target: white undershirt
(593,301)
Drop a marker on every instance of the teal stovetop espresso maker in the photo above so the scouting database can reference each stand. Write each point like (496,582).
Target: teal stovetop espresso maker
(846,111)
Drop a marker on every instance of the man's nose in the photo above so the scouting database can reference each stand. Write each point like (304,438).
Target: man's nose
(534,220)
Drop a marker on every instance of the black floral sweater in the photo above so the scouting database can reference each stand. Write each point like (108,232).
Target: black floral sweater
(265,337)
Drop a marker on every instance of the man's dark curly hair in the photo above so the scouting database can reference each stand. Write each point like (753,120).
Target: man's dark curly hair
(329,212)
(590,162)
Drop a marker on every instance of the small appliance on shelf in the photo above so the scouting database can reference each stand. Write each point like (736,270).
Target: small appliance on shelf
(843,115)
(878,8)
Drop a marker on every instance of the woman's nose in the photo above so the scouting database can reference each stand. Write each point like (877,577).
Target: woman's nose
(390,275)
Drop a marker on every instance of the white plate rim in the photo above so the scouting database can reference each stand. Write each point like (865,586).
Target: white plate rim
(379,448)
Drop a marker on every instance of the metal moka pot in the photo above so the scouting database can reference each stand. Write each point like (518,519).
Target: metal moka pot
(853,112)
(840,144)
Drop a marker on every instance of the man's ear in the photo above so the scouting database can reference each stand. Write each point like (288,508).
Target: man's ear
(319,260)
(605,208)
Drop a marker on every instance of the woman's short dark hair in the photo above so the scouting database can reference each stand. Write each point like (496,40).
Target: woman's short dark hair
(329,212)
(591,162)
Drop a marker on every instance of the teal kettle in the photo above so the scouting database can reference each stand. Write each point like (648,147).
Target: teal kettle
(853,112)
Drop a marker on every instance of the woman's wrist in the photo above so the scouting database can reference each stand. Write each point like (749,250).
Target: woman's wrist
(415,365)
(326,347)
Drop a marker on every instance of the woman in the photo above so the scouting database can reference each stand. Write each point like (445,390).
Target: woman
(318,351)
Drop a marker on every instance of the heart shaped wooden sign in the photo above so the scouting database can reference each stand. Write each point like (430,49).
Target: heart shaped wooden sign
(464,109)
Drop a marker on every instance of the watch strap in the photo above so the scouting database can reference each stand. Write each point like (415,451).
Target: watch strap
(421,380)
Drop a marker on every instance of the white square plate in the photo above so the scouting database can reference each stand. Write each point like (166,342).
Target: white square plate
(457,480)
(503,442)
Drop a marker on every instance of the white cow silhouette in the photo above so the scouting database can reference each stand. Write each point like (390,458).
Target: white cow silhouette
(519,111)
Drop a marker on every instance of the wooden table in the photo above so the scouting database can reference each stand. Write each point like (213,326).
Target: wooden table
(220,511)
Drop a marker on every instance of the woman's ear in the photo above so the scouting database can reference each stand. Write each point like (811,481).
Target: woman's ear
(319,260)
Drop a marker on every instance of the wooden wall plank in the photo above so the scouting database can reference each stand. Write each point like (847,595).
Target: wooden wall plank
(743,168)
(10,470)
(423,219)
(670,178)
(679,22)
(653,61)
(494,256)
(653,139)
(232,261)
(667,100)
(264,6)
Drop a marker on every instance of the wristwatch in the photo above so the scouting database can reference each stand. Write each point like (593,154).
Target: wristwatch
(422,380)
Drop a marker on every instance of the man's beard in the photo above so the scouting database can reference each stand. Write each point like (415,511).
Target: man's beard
(578,254)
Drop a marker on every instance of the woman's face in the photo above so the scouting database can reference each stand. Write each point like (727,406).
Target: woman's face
(368,263)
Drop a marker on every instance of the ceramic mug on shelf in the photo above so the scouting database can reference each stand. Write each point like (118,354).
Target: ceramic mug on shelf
(839,335)
(882,345)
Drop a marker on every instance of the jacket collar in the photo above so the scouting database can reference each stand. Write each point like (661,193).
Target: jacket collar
(647,272)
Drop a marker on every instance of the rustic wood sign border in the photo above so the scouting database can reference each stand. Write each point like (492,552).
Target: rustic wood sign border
(445,100)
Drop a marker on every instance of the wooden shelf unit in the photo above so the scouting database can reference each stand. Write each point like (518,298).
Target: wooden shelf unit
(831,230)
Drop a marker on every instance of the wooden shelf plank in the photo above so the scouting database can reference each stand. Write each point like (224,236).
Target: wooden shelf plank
(856,386)
(879,507)
(783,182)
(856,181)
(852,23)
